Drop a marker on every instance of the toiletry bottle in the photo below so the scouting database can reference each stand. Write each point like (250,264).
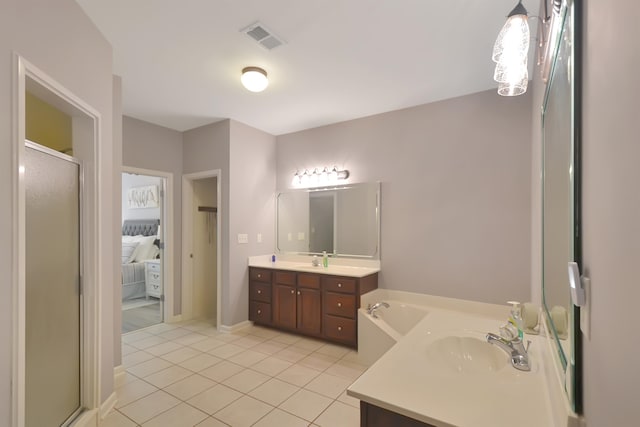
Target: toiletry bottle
(273,258)
(325,259)
(516,317)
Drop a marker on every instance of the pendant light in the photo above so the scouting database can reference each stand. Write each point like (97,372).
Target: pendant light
(510,52)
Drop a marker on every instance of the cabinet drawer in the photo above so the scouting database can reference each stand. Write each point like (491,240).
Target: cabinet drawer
(286,278)
(259,312)
(340,304)
(309,281)
(260,275)
(339,328)
(153,266)
(339,284)
(260,291)
(153,277)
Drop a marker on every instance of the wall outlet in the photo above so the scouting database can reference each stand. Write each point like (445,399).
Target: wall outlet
(289,237)
(300,235)
(243,238)
(259,238)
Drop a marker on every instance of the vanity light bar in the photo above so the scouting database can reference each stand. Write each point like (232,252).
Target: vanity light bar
(317,177)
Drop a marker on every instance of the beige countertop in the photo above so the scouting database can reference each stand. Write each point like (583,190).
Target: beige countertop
(404,381)
(336,267)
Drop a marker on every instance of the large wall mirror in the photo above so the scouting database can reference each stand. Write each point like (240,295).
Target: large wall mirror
(561,194)
(343,221)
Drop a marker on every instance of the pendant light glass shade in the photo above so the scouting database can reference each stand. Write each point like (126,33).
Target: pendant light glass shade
(513,40)
(513,89)
(511,73)
(510,53)
(254,79)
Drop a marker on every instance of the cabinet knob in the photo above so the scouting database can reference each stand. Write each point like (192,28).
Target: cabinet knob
(298,292)
(339,304)
(339,328)
(259,291)
(339,285)
(259,311)
(292,291)
(259,276)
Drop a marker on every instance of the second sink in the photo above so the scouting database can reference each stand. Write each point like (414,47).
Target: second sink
(465,355)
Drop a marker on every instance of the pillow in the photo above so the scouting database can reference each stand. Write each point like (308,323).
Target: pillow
(128,251)
(145,248)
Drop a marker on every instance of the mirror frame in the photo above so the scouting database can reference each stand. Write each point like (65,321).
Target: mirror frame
(375,255)
(571,11)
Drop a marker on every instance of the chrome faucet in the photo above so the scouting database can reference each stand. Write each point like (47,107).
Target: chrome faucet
(515,348)
(372,308)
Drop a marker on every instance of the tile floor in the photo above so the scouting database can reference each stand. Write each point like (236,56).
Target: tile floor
(189,374)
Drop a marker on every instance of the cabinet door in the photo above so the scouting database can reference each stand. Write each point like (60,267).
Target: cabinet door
(284,306)
(309,311)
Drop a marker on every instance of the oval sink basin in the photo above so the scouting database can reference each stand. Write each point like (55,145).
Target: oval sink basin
(465,355)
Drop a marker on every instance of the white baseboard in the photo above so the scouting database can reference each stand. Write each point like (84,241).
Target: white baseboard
(119,373)
(108,405)
(174,319)
(235,328)
(87,419)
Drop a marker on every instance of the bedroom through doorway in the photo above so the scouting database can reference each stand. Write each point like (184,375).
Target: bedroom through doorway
(142,255)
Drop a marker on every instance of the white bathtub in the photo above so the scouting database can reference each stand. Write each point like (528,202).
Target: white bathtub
(376,336)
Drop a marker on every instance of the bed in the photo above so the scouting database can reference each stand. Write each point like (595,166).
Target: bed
(139,243)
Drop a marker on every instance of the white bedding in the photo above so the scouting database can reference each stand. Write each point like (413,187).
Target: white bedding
(133,281)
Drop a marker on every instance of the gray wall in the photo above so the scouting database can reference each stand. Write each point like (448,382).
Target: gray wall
(456,178)
(611,209)
(246,158)
(207,148)
(251,211)
(153,147)
(58,38)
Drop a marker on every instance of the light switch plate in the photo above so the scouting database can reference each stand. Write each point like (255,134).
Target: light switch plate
(300,235)
(243,238)
(259,238)
(289,237)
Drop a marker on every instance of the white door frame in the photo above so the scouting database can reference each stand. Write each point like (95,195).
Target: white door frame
(187,242)
(167,238)
(90,223)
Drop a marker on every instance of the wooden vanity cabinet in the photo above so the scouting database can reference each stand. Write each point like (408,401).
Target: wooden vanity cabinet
(284,299)
(375,416)
(260,296)
(309,304)
(312,304)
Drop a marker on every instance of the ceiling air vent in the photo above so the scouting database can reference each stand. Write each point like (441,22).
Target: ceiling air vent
(262,35)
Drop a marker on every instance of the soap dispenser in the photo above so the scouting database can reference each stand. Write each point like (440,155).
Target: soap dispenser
(516,317)
(325,259)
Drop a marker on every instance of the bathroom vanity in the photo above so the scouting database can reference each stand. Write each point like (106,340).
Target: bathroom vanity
(315,301)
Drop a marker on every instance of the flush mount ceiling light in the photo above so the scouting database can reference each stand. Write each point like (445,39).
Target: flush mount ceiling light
(510,53)
(254,79)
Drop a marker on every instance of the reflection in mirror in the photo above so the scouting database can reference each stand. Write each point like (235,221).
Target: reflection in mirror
(559,240)
(344,221)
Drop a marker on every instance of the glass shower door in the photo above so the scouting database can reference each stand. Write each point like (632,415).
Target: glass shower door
(53,299)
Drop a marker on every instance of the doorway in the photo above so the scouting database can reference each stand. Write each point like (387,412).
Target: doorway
(143,262)
(56,291)
(201,224)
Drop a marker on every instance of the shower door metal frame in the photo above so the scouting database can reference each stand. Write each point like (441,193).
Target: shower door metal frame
(48,151)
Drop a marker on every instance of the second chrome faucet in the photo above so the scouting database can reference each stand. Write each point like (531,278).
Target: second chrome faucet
(372,308)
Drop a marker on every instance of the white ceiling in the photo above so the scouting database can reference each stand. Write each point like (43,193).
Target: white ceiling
(180,61)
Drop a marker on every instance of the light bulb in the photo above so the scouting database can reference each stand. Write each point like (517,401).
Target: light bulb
(254,79)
